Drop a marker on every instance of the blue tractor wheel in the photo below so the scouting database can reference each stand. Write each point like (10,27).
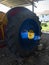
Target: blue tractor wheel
(23,31)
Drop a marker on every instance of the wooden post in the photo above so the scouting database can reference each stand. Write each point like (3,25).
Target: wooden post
(32,6)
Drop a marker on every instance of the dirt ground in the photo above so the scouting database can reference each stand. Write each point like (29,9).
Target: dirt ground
(7,58)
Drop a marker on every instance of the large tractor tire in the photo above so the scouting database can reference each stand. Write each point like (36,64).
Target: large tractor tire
(23,31)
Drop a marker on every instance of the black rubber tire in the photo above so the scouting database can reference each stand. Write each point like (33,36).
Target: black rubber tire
(12,31)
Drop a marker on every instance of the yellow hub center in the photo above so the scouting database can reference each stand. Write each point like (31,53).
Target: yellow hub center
(30,34)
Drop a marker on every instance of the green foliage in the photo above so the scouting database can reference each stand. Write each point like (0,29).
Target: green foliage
(45,26)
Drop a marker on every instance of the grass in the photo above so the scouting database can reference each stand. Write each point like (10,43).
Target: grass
(45,28)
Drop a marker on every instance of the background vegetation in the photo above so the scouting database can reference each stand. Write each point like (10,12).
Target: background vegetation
(45,26)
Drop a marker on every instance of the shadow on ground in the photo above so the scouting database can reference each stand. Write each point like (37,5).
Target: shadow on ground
(7,58)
